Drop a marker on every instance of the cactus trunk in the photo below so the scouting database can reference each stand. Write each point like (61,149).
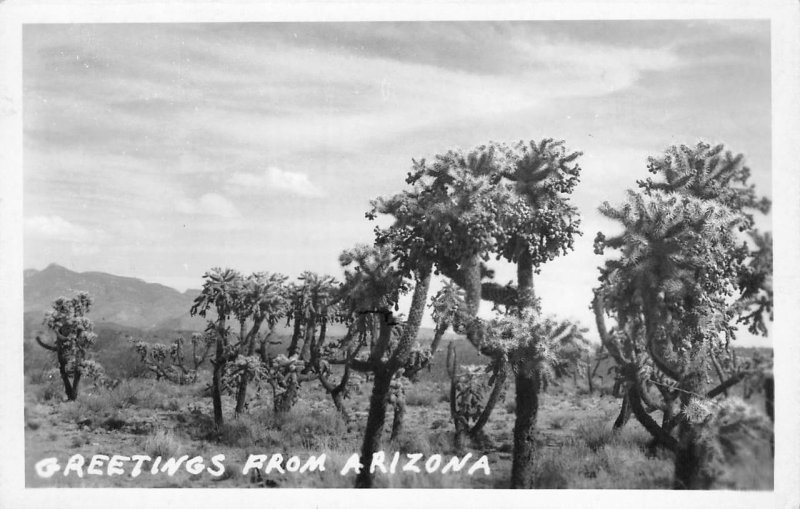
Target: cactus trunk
(216,389)
(298,322)
(526,297)
(375,422)
(624,412)
(241,393)
(470,281)
(527,398)
(693,454)
(71,393)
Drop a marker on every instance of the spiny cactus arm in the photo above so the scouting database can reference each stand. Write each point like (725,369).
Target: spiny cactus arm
(611,344)
(360,365)
(206,349)
(306,377)
(250,337)
(498,386)
(45,345)
(652,404)
(384,336)
(344,380)
(733,380)
(648,422)
(718,370)
(326,383)
(668,393)
(438,334)
(411,329)
(652,321)
(504,295)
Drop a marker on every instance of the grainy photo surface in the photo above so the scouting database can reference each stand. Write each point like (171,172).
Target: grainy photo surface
(421,254)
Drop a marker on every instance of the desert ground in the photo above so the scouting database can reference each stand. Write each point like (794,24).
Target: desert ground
(576,446)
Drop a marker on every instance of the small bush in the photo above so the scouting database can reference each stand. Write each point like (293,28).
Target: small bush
(237,433)
(559,421)
(301,427)
(594,434)
(49,391)
(162,443)
(79,440)
(420,396)
(551,474)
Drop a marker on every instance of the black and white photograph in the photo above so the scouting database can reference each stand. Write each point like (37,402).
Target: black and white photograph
(452,253)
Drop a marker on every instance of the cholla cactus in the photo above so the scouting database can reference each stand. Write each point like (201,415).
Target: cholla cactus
(74,336)
(539,350)
(418,359)
(248,366)
(547,346)
(686,276)
(285,376)
(97,373)
(698,411)
(165,361)
(468,386)
(202,343)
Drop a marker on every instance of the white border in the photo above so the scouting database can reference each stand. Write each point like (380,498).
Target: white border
(785,23)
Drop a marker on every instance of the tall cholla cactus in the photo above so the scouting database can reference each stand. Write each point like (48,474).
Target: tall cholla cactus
(539,350)
(249,302)
(74,333)
(683,279)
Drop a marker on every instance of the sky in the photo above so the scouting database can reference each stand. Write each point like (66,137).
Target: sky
(161,150)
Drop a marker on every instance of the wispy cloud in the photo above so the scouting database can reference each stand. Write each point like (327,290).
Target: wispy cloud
(209,204)
(57,228)
(271,180)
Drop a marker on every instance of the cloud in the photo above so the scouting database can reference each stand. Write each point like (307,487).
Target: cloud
(209,204)
(82,241)
(274,179)
(57,228)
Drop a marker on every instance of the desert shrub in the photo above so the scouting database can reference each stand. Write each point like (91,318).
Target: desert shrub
(302,427)
(615,460)
(238,432)
(551,473)
(163,443)
(418,395)
(125,395)
(48,391)
(594,434)
(90,409)
(79,440)
(559,421)
(409,442)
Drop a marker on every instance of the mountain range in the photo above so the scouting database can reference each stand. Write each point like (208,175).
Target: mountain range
(123,301)
(126,304)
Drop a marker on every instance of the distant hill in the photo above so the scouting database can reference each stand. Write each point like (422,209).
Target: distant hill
(123,301)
